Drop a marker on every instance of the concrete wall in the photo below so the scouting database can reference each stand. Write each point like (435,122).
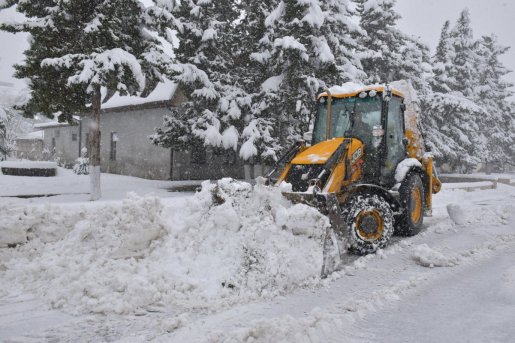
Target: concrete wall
(135,154)
(66,149)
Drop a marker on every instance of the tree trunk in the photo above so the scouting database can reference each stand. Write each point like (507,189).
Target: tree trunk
(94,134)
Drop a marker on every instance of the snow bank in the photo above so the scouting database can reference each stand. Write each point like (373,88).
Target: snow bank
(230,243)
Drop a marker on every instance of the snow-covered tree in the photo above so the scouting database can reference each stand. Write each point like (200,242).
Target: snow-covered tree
(305,45)
(390,54)
(492,93)
(453,117)
(12,125)
(442,60)
(80,48)
(462,70)
(451,131)
(204,71)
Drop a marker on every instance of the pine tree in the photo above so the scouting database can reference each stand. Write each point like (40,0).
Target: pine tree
(79,48)
(492,93)
(451,115)
(204,71)
(389,54)
(463,75)
(304,47)
(442,60)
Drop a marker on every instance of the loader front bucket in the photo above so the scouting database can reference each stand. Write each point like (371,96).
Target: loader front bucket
(335,239)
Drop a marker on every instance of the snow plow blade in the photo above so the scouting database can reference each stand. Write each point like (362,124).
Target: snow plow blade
(335,239)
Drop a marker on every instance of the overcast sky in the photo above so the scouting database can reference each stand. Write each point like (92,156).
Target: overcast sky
(425,18)
(422,18)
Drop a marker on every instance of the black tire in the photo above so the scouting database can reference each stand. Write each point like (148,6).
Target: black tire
(412,195)
(370,221)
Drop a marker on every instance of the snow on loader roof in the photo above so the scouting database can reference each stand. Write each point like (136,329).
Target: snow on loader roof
(351,89)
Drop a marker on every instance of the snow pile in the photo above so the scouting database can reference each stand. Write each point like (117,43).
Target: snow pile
(457,214)
(229,243)
(428,257)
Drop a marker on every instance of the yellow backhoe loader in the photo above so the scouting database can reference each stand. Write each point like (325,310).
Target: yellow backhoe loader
(366,168)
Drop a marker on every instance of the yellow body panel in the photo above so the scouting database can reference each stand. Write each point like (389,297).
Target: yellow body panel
(318,154)
(414,150)
(337,179)
(364,89)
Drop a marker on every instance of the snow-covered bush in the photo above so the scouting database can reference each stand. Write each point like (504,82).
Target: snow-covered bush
(81,166)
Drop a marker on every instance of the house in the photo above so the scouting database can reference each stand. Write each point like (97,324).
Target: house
(125,127)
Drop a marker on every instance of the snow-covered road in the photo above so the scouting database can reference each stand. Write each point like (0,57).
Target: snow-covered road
(453,282)
(471,304)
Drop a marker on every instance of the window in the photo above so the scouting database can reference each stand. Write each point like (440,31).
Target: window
(53,144)
(198,154)
(112,152)
(74,137)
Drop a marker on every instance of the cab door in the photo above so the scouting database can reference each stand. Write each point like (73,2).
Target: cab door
(395,148)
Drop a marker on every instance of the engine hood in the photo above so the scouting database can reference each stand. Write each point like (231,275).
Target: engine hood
(319,153)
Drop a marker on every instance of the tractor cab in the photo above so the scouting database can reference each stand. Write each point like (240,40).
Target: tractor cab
(374,116)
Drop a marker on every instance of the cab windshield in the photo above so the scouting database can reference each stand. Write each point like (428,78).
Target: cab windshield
(350,117)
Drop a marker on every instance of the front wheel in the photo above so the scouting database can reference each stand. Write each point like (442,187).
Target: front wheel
(370,220)
(411,192)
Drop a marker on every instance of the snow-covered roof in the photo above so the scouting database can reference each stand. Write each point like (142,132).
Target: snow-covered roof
(164,91)
(36,135)
(351,89)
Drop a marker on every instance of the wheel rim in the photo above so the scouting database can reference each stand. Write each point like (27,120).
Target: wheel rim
(416,205)
(370,225)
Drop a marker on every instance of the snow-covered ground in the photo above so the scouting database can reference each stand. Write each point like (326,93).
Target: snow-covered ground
(68,187)
(236,264)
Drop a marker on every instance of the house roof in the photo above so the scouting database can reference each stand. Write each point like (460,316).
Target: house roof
(164,91)
(50,124)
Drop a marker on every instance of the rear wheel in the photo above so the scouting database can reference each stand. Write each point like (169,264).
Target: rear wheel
(370,220)
(411,193)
